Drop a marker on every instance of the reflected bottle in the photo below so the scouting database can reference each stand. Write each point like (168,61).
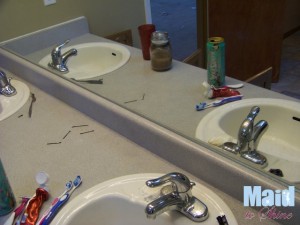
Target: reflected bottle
(7,199)
(160,51)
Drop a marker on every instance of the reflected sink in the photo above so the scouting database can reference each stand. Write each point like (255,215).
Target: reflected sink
(123,201)
(93,59)
(10,105)
(281,141)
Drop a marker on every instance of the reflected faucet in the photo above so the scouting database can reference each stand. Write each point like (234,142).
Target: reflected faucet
(177,196)
(249,136)
(6,88)
(59,61)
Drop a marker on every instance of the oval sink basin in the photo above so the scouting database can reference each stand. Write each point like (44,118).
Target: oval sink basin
(92,59)
(10,105)
(123,201)
(280,143)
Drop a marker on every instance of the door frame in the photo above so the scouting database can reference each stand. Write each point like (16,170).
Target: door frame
(201,24)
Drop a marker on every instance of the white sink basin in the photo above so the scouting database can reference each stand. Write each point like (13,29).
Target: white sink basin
(123,201)
(281,141)
(10,105)
(92,59)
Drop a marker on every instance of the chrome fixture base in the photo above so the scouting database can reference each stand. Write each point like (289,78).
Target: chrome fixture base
(60,68)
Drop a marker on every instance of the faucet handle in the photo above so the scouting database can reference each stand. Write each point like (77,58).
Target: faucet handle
(246,129)
(63,44)
(59,46)
(179,180)
(253,112)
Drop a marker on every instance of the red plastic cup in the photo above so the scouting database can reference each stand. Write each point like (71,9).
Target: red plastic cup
(145,32)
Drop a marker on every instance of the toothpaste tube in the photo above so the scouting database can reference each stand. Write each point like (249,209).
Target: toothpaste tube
(212,92)
(222,92)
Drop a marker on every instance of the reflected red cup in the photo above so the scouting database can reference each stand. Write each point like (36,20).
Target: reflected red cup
(145,32)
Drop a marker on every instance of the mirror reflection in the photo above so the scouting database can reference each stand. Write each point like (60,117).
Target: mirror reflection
(167,98)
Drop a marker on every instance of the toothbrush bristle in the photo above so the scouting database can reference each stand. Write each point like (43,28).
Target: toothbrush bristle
(77,181)
(200,106)
(69,185)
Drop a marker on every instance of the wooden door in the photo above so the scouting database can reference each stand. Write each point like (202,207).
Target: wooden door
(253,33)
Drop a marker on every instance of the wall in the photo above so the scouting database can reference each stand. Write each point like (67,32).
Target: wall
(105,16)
(292,15)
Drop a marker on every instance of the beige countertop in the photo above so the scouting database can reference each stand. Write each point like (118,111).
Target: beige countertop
(97,156)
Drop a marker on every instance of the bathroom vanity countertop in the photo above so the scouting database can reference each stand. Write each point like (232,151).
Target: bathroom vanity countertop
(97,156)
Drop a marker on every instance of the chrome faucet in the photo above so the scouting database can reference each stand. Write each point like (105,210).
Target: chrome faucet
(6,88)
(59,61)
(249,136)
(177,196)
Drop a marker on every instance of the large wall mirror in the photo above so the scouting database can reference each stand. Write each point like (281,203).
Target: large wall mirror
(107,17)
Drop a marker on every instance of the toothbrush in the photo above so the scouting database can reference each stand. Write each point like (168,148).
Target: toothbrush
(222,101)
(18,211)
(69,186)
(61,201)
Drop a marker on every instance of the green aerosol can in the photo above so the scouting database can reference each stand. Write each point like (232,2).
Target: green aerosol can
(7,199)
(216,61)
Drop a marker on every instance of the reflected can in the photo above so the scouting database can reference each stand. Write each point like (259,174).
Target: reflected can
(7,199)
(216,61)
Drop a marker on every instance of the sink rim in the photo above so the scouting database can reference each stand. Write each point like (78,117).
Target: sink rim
(138,194)
(23,93)
(216,114)
(125,56)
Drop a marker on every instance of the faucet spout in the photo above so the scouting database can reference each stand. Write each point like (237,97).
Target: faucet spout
(164,203)
(68,54)
(258,129)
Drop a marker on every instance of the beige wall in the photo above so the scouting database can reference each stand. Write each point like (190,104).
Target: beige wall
(105,16)
(292,15)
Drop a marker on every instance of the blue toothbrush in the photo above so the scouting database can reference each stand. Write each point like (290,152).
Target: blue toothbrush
(222,101)
(61,201)
(69,186)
